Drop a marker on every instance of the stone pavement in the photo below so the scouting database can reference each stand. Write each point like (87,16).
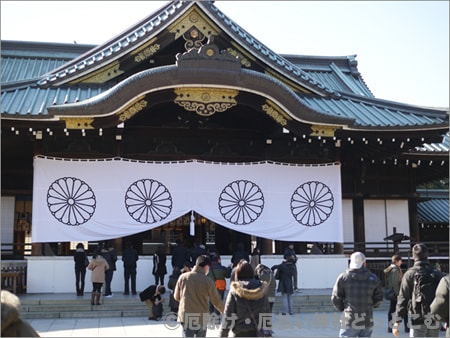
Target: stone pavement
(298,325)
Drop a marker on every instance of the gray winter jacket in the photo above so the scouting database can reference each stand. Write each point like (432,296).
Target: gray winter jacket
(357,292)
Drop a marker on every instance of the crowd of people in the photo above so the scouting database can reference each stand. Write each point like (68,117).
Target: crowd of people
(420,294)
(198,284)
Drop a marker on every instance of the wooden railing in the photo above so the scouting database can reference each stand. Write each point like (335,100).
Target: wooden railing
(382,249)
(14,276)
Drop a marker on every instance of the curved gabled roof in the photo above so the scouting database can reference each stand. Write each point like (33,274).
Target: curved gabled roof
(119,45)
(148,27)
(336,89)
(259,50)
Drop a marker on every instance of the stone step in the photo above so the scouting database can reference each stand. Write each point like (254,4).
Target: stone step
(45,307)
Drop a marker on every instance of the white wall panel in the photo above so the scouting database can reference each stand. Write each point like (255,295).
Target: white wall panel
(347,215)
(380,218)
(374,220)
(398,216)
(56,274)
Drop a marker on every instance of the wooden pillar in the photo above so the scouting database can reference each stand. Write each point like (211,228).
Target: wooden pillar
(338,246)
(358,223)
(36,248)
(118,246)
(413,224)
(266,246)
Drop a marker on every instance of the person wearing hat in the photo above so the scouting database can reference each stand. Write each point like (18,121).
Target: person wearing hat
(357,292)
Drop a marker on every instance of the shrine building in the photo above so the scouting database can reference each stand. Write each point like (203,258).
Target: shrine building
(189,106)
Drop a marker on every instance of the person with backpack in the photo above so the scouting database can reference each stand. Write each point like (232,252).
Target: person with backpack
(417,292)
(393,277)
(130,257)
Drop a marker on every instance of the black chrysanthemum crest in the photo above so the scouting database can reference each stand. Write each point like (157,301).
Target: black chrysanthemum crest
(71,201)
(312,203)
(241,202)
(148,201)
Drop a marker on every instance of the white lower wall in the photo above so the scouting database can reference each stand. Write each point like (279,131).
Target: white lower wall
(56,274)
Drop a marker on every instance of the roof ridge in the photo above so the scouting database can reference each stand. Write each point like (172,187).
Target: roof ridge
(123,40)
(281,63)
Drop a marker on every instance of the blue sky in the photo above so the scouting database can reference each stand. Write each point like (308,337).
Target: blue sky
(402,47)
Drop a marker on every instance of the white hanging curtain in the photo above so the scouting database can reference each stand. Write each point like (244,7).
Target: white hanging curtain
(89,200)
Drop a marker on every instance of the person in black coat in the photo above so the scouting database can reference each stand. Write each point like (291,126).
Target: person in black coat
(247,305)
(289,251)
(173,279)
(180,254)
(285,275)
(81,262)
(196,251)
(130,257)
(239,254)
(422,326)
(109,253)
(159,265)
(152,298)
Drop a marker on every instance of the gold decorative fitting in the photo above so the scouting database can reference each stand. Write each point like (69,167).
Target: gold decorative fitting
(326,131)
(274,112)
(244,61)
(132,109)
(193,18)
(78,122)
(104,74)
(206,101)
(194,34)
(146,53)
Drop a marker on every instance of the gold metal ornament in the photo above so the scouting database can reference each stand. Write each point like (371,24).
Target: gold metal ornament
(206,101)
